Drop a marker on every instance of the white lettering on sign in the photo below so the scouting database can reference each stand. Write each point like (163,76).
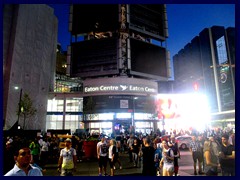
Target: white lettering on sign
(136,88)
(130,88)
(147,89)
(91,89)
(108,88)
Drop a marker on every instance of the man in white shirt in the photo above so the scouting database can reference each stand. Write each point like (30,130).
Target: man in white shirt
(67,162)
(102,150)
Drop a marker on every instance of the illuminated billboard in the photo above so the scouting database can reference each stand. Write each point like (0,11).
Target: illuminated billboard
(184,110)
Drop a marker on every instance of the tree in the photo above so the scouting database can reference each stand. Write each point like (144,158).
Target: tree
(26,109)
(89,108)
(150,107)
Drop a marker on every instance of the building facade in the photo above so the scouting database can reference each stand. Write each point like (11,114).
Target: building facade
(114,54)
(207,65)
(29,61)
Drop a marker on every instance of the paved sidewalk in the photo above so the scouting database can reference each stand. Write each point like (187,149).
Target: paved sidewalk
(90,168)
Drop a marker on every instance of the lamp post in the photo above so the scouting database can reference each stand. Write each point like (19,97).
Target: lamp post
(134,98)
(19,107)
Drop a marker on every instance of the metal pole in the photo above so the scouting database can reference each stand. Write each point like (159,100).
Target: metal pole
(215,72)
(133,113)
(19,106)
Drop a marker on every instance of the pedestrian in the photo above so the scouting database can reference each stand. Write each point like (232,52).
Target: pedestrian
(36,165)
(227,157)
(174,146)
(102,151)
(167,161)
(135,152)
(35,150)
(210,159)
(148,158)
(8,158)
(117,159)
(67,162)
(112,155)
(44,152)
(80,150)
(196,148)
(129,145)
(157,158)
(22,157)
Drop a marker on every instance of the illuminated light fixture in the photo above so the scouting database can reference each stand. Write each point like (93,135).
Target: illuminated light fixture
(195,86)
(64,66)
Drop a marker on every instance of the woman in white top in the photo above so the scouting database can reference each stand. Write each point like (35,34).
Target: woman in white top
(112,156)
(167,161)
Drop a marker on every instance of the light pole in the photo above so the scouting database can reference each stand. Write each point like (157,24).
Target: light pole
(19,107)
(134,98)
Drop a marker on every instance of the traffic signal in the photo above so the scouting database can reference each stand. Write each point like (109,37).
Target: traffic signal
(195,86)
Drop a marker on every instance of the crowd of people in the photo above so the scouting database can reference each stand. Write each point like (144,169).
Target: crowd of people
(213,153)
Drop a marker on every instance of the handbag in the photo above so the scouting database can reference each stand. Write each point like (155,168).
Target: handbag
(213,171)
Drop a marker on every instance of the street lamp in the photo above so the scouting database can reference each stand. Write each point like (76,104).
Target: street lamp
(19,106)
(134,98)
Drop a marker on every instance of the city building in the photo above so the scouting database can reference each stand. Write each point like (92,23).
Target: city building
(29,61)
(113,53)
(207,65)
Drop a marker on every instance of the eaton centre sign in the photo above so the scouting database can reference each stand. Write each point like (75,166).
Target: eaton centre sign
(120,85)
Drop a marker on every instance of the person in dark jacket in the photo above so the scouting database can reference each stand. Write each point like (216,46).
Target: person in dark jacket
(148,158)
(227,157)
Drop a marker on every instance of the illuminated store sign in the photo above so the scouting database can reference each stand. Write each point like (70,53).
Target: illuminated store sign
(119,88)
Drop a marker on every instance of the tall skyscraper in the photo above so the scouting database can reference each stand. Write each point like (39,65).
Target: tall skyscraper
(207,65)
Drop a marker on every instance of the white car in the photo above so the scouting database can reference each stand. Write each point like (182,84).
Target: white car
(183,141)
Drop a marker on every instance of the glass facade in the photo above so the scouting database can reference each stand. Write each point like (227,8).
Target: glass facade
(66,113)
(221,51)
(225,76)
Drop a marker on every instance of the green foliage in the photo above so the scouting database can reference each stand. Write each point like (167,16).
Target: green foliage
(150,107)
(26,109)
(89,108)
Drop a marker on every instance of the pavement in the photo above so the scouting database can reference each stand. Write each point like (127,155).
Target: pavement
(89,167)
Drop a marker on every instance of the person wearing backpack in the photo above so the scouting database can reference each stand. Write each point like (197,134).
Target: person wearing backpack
(102,151)
(167,161)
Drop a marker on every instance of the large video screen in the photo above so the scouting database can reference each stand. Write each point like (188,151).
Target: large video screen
(94,58)
(148,59)
(94,17)
(183,111)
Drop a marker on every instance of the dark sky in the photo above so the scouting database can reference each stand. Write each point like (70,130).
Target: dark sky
(185,21)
